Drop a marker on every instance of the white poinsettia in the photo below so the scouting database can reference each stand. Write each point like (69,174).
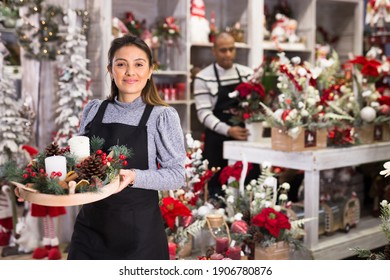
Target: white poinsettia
(386,172)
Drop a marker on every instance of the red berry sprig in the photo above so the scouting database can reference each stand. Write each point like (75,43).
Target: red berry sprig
(29,172)
(106,160)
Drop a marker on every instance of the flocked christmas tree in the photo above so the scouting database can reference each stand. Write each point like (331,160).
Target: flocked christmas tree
(15,124)
(74,78)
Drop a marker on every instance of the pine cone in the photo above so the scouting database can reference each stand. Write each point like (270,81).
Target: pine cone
(246,216)
(52,150)
(256,235)
(92,166)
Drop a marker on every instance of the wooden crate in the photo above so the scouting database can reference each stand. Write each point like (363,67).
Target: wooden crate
(365,134)
(306,140)
(382,133)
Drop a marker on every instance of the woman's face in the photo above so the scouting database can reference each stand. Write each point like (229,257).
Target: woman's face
(130,71)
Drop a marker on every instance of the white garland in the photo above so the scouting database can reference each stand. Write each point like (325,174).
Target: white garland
(74,79)
(15,129)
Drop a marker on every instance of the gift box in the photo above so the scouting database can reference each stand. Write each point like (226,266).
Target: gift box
(306,140)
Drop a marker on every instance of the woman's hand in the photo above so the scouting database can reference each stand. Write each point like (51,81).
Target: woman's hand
(18,194)
(127,177)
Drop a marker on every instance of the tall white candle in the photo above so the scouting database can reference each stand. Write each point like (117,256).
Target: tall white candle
(56,164)
(79,146)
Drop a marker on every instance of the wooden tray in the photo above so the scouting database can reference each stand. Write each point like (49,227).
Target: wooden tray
(33,196)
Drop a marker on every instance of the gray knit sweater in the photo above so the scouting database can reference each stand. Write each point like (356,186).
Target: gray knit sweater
(165,141)
(206,93)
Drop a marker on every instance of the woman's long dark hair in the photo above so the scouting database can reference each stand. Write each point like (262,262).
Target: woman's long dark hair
(149,93)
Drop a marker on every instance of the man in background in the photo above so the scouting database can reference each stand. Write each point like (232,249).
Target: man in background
(212,86)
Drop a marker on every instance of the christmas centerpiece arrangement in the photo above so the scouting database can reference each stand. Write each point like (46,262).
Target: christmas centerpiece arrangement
(298,113)
(167,31)
(78,174)
(372,96)
(299,121)
(262,214)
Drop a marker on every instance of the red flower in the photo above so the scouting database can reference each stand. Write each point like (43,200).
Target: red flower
(249,96)
(232,171)
(248,89)
(271,220)
(369,67)
(172,208)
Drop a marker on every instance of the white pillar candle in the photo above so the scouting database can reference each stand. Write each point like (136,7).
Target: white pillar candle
(79,146)
(56,164)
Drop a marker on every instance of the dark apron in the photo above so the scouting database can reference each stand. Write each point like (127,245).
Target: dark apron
(126,225)
(213,143)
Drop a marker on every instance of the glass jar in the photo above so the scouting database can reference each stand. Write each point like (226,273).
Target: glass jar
(220,232)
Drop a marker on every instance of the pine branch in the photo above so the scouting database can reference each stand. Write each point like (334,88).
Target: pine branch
(121,150)
(337,117)
(96,143)
(195,227)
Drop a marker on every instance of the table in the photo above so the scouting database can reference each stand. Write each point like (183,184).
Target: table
(312,162)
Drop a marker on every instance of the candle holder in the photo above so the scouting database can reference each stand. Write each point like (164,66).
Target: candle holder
(219,231)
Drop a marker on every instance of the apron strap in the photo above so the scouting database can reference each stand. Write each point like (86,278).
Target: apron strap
(217,75)
(145,115)
(100,114)
(98,117)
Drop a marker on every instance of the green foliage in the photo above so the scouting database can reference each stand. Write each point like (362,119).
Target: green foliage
(181,236)
(96,143)
(120,150)
(49,186)
(34,172)
(385,226)
(11,171)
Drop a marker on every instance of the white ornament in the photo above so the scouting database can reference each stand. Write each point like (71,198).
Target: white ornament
(368,114)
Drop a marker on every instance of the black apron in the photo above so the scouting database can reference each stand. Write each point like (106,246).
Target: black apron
(213,143)
(126,225)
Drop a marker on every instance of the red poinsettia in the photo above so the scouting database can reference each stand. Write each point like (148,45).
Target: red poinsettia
(368,67)
(248,94)
(172,208)
(273,221)
(340,137)
(232,171)
(250,90)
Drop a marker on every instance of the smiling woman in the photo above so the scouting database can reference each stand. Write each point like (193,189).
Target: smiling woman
(128,224)
(130,72)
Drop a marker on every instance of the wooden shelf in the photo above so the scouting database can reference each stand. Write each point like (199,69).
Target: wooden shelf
(366,235)
(292,47)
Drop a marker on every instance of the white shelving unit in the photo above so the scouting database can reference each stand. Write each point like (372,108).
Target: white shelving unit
(341,17)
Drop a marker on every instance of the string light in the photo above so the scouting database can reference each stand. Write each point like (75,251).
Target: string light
(44,36)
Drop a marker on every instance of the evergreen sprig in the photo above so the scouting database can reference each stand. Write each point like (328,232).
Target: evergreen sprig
(121,150)
(48,186)
(11,171)
(96,143)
